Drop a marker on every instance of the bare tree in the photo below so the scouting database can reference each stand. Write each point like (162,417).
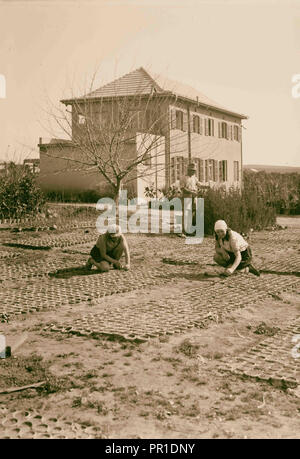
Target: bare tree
(117,136)
(120,133)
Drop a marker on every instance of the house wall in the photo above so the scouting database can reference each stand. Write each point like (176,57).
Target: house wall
(102,115)
(151,175)
(58,174)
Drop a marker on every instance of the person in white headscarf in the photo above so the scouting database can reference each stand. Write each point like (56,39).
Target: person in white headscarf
(232,251)
(108,251)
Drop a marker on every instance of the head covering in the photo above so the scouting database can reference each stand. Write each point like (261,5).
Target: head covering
(221,225)
(191,167)
(114,230)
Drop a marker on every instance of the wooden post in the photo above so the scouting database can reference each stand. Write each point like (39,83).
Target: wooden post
(189,134)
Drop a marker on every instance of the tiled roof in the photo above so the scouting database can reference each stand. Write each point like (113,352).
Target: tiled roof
(143,82)
(184,90)
(133,83)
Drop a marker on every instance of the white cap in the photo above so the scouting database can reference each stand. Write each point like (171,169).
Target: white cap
(220,225)
(114,230)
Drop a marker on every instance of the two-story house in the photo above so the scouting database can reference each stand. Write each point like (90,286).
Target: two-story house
(189,126)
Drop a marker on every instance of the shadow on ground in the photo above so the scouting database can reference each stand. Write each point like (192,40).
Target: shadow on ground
(281,273)
(66,273)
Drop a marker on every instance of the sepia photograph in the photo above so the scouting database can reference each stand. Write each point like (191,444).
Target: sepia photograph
(150,222)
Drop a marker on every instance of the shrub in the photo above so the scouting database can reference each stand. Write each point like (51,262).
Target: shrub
(73,196)
(241,210)
(20,195)
(282,191)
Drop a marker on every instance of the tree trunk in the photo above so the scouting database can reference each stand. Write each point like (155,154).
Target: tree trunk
(117,199)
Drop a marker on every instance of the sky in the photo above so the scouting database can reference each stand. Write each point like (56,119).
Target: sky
(242,54)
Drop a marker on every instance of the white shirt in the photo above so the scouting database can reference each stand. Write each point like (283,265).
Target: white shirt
(190,183)
(236,243)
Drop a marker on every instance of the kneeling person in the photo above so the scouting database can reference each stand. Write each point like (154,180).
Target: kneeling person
(108,250)
(232,251)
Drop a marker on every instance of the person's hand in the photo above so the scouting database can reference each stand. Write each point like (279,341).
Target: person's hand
(225,255)
(117,265)
(228,272)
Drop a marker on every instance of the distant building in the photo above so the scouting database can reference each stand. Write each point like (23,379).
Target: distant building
(32,164)
(198,129)
(3,167)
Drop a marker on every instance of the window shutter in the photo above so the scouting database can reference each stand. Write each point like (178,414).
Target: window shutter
(172,170)
(236,171)
(196,161)
(215,170)
(173,118)
(221,178)
(212,127)
(137,120)
(206,126)
(201,171)
(225,170)
(200,126)
(185,122)
(220,129)
(240,133)
(206,170)
(185,166)
(224,130)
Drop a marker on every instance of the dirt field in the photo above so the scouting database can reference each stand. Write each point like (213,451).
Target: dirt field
(168,349)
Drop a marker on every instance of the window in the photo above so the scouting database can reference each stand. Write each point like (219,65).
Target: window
(196,124)
(236,171)
(179,120)
(224,131)
(200,169)
(209,170)
(153,119)
(236,133)
(223,171)
(209,127)
(81,119)
(177,168)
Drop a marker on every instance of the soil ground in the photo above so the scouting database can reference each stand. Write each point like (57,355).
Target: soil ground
(154,352)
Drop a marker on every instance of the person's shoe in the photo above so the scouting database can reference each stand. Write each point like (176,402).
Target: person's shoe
(253,270)
(88,265)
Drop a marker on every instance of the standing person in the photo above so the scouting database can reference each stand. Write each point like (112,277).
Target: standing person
(108,250)
(189,188)
(232,251)
(189,183)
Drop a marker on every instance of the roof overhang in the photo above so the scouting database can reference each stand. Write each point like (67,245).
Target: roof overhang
(80,100)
